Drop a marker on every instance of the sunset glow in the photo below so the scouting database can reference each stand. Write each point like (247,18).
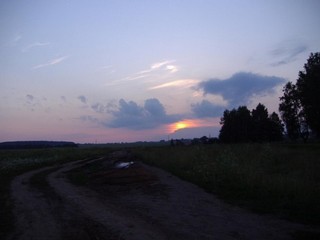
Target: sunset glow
(180,125)
(193,123)
(122,71)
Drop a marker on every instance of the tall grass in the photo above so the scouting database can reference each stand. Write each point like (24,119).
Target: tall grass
(278,179)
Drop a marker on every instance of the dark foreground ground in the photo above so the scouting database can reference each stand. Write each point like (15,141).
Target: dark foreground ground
(105,199)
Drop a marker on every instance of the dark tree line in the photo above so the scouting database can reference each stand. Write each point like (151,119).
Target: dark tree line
(300,104)
(36,144)
(243,125)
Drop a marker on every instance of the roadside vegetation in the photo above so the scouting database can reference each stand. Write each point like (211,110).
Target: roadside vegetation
(279,179)
(18,161)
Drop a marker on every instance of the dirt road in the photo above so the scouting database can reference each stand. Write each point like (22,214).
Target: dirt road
(133,201)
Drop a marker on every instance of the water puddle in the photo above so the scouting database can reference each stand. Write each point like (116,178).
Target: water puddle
(120,165)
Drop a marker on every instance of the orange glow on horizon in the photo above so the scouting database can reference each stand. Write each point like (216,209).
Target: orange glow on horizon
(192,123)
(182,124)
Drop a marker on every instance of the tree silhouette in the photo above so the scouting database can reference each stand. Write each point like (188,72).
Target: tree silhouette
(290,110)
(260,123)
(308,90)
(275,127)
(299,105)
(235,125)
(241,125)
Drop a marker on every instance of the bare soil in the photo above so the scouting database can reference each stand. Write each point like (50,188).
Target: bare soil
(134,203)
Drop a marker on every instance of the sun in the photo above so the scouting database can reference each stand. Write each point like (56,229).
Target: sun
(186,123)
(180,125)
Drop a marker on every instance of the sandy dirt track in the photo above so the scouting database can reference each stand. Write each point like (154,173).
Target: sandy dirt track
(138,203)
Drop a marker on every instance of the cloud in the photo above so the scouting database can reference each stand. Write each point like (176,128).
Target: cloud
(17,38)
(164,66)
(132,116)
(33,102)
(155,70)
(239,88)
(161,64)
(99,108)
(287,52)
(207,109)
(51,62)
(63,98)
(88,118)
(83,99)
(110,107)
(33,45)
(30,98)
(109,69)
(172,68)
(154,108)
(177,83)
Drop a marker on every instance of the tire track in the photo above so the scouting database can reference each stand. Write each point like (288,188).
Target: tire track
(43,214)
(33,217)
(181,211)
(104,212)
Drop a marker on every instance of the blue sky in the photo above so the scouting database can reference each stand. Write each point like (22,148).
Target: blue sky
(112,71)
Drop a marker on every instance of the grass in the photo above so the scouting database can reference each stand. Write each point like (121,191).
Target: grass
(278,179)
(281,179)
(15,162)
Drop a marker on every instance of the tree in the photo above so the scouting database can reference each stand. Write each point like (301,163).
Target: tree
(227,131)
(289,109)
(275,128)
(241,125)
(308,90)
(244,124)
(235,125)
(299,105)
(260,123)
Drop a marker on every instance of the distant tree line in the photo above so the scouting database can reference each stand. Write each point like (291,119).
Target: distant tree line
(299,109)
(195,141)
(36,144)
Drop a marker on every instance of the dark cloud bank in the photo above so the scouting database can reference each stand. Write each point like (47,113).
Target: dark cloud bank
(237,90)
(131,115)
(83,99)
(240,87)
(206,109)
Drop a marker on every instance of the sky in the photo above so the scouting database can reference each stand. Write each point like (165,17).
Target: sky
(141,70)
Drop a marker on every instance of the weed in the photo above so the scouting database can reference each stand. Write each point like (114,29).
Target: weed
(278,179)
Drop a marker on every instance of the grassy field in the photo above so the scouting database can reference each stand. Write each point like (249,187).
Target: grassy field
(278,179)
(15,162)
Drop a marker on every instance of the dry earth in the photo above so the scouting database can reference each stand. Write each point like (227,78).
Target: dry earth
(134,203)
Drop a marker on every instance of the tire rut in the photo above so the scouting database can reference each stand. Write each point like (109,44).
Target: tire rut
(40,213)
(106,213)
(165,208)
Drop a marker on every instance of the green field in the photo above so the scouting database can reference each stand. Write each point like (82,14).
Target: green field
(279,179)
